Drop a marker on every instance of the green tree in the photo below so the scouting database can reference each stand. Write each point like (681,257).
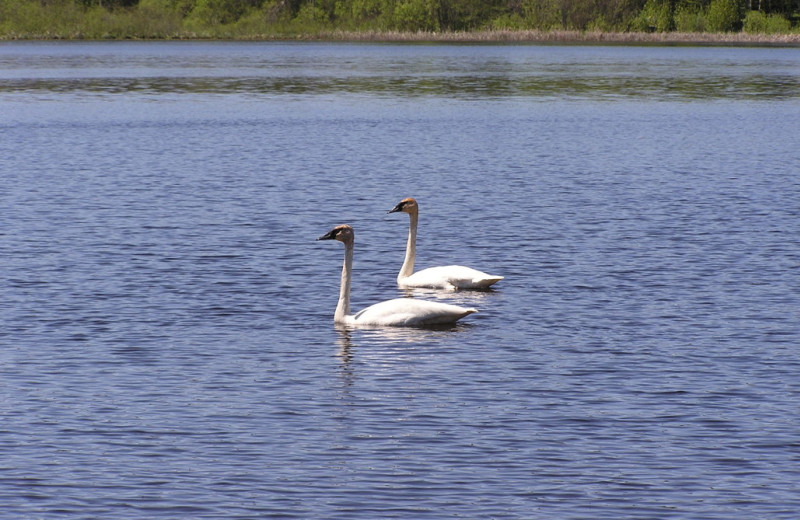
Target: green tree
(359,10)
(462,15)
(542,14)
(723,16)
(417,15)
(220,12)
(756,22)
(614,14)
(656,15)
(689,16)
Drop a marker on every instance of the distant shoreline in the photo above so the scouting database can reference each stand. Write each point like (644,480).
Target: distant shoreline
(495,36)
(596,37)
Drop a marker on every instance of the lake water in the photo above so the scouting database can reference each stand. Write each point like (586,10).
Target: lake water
(167,348)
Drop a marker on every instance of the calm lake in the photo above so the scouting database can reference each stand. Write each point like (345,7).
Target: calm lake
(167,346)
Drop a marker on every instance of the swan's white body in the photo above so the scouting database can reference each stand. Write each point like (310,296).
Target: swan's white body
(400,312)
(450,277)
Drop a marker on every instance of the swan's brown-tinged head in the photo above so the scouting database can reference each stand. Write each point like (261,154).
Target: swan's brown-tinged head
(342,233)
(408,205)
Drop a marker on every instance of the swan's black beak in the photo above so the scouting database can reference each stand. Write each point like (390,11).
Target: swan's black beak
(330,235)
(397,208)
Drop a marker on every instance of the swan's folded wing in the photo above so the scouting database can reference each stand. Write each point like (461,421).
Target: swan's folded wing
(451,277)
(408,312)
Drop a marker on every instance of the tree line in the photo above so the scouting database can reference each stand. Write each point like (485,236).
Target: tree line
(279,18)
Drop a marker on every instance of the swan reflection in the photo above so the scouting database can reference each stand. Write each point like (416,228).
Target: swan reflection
(390,344)
(350,338)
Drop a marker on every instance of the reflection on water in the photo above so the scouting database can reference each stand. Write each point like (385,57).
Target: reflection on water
(461,87)
(458,72)
(389,338)
(392,335)
(389,344)
(345,354)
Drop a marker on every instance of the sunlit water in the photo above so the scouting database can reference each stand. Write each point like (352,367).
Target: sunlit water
(167,347)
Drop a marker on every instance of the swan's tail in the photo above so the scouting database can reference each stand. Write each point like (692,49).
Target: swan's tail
(486,281)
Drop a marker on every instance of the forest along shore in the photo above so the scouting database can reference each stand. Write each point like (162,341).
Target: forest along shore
(662,22)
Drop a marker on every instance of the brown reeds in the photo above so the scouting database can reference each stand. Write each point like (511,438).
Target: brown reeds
(563,36)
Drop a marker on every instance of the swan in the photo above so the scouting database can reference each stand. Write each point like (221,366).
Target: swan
(400,312)
(451,277)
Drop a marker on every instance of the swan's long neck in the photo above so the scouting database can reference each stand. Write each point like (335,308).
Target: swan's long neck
(411,247)
(343,307)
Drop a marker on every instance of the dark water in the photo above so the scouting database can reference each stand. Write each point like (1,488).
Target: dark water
(167,347)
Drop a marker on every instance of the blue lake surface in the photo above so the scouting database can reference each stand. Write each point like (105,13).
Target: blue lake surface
(167,347)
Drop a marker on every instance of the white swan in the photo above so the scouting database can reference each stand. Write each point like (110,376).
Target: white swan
(400,312)
(451,277)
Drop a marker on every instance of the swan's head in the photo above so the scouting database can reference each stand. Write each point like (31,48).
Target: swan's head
(408,205)
(342,233)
